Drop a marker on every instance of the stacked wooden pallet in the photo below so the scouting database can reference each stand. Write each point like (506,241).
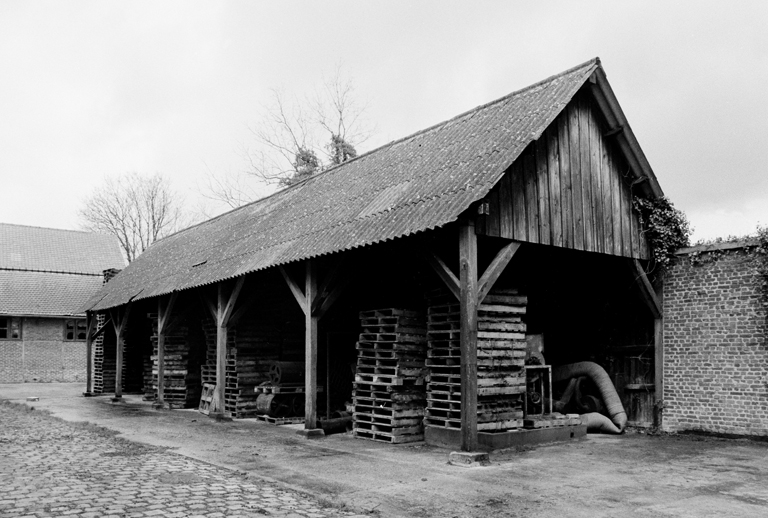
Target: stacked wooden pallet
(250,353)
(389,393)
(181,387)
(500,362)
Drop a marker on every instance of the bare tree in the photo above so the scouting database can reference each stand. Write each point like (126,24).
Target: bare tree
(136,209)
(297,137)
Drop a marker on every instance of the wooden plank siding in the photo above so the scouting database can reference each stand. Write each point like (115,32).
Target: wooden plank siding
(570,188)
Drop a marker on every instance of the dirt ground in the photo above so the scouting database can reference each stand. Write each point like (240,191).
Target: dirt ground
(630,475)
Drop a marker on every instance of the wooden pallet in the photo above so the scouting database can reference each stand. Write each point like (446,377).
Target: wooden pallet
(388,438)
(280,421)
(285,388)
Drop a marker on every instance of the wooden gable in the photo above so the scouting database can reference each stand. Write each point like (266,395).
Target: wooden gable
(571,188)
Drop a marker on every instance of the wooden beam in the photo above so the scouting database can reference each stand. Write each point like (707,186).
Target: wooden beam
(468,343)
(297,293)
(90,323)
(646,289)
(119,321)
(211,306)
(445,273)
(495,269)
(242,309)
(229,308)
(225,303)
(310,353)
(163,314)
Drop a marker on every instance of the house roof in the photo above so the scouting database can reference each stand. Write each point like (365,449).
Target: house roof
(45,294)
(54,250)
(411,185)
(52,272)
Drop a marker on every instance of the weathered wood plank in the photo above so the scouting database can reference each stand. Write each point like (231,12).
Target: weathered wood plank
(586,176)
(506,215)
(553,176)
(492,219)
(618,239)
(518,201)
(626,212)
(577,194)
(542,187)
(595,162)
(90,325)
(531,196)
(468,341)
(607,203)
(566,190)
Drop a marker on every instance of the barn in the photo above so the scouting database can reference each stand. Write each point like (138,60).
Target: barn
(428,287)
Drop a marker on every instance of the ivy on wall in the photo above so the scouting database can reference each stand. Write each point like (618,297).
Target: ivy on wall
(666,229)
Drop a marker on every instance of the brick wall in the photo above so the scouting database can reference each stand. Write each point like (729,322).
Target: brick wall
(715,344)
(42,355)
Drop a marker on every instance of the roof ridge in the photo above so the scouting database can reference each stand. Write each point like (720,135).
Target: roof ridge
(58,272)
(594,61)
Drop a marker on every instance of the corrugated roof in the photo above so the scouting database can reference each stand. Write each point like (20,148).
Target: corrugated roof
(54,250)
(414,184)
(45,294)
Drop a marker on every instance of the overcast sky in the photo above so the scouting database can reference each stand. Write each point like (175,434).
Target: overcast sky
(90,90)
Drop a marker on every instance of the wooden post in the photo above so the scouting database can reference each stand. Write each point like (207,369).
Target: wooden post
(222,314)
(468,316)
(653,300)
(163,314)
(119,321)
(310,354)
(89,325)
(315,303)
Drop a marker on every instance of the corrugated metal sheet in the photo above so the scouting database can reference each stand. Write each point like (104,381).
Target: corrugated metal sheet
(420,182)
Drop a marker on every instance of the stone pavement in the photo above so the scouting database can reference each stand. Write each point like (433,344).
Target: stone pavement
(49,467)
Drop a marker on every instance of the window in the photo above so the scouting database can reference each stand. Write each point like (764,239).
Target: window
(74,329)
(10,328)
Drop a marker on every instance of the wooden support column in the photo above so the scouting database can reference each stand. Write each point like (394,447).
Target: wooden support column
(119,320)
(222,312)
(653,300)
(470,292)
(163,314)
(468,316)
(89,327)
(315,302)
(310,350)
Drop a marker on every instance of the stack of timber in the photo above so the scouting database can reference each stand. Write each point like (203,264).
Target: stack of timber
(103,367)
(181,380)
(251,351)
(500,361)
(389,393)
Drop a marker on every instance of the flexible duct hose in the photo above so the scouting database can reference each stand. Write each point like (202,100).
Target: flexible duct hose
(604,384)
(598,423)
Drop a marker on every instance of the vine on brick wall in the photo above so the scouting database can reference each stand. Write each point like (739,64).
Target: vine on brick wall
(665,228)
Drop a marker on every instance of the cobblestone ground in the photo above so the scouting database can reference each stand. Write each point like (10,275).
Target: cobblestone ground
(49,467)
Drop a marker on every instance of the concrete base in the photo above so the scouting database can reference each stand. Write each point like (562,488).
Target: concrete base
(314,433)
(219,417)
(161,405)
(116,399)
(89,394)
(469,459)
(451,437)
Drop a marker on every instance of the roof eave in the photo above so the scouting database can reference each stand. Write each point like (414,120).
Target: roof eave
(625,138)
